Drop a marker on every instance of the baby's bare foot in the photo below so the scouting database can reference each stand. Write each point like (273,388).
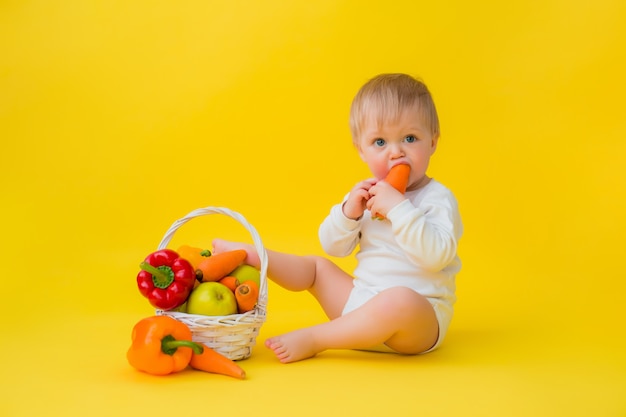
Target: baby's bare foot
(293,346)
(220,245)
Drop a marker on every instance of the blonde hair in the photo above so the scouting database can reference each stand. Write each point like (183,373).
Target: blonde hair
(387,96)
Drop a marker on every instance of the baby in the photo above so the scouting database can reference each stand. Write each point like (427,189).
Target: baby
(401,296)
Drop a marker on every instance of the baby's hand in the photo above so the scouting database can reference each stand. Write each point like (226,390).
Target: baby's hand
(354,206)
(383,197)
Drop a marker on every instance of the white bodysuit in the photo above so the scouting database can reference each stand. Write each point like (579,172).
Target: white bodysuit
(415,248)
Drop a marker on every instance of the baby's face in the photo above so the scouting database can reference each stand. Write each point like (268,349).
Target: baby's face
(405,140)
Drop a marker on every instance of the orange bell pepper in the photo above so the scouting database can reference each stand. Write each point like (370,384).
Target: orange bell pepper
(161,345)
(193,255)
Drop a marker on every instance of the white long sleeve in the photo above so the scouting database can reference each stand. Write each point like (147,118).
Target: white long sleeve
(428,233)
(338,234)
(415,247)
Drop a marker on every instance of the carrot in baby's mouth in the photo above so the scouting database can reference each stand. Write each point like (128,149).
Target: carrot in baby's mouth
(398,178)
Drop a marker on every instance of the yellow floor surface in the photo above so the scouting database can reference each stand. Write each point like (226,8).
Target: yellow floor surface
(496,361)
(116,118)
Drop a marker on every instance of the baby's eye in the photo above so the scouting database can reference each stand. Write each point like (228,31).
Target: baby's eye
(410,139)
(379,142)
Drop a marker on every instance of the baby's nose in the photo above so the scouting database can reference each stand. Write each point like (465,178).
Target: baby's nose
(396,151)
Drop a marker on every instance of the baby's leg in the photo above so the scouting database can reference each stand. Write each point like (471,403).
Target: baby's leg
(328,283)
(399,317)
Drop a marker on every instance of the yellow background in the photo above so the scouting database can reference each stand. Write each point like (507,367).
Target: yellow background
(117,118)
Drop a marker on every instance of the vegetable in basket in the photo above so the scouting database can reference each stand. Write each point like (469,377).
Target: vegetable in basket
(219,265)
(165,279)
(193,255)
(162,345)
(231,282)
(246,294)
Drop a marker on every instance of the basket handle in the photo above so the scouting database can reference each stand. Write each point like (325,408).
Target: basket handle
(258,244)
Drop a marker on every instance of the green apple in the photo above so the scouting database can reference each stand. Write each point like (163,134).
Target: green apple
(247,272)
(212,299)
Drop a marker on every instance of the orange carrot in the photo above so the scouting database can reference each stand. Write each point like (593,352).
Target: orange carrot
(211,361)
(398,178)
(230,281)
(246,295)
(218,266)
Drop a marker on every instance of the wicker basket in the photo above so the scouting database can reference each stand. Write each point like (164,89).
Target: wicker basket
(233,336)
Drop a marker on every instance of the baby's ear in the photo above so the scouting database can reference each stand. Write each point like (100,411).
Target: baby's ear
(433,146)
(360,151)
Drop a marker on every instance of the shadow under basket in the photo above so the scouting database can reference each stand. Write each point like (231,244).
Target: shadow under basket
(235,335)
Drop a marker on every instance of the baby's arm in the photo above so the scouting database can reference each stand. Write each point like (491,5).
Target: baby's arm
(339,232)
(428,233)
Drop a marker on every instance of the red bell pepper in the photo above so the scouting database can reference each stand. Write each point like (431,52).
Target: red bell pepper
(166,279)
